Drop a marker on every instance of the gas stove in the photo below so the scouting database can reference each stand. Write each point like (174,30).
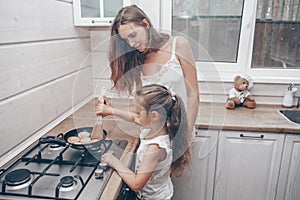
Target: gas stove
(56,171)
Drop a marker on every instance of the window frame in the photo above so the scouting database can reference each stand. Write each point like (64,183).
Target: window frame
(214,71)
(93,21)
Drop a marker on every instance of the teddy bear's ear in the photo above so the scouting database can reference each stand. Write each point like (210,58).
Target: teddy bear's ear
(237,78)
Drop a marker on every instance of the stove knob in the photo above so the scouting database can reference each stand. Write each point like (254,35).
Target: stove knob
(103,165)
(99,173)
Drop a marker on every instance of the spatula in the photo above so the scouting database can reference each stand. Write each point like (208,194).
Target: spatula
(97,132)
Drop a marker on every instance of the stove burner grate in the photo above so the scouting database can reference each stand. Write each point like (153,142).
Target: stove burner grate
(26,177)
(17,177)
(55,147)
(68,183)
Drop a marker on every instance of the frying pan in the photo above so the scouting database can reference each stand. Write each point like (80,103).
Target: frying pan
(62,139)
(75,133)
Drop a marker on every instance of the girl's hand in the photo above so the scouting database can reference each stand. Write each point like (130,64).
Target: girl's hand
(103,110)
(106,101)
(110,159)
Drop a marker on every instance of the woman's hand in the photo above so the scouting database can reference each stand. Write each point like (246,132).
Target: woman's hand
(110,159)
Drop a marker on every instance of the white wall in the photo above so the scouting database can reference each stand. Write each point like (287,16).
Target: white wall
(99,46)
(101,70)
(45,67)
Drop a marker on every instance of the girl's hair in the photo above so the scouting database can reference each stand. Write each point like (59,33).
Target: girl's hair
(125,60)
(158,98)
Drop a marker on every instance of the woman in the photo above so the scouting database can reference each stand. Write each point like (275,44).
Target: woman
(139,55)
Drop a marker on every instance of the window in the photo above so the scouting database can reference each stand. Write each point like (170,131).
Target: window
(258,37)
(213,25)
(96,12)
(277,35)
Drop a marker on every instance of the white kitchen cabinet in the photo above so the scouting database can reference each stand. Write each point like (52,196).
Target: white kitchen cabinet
(198,185)
(96,12)
(247,165)
(289,179)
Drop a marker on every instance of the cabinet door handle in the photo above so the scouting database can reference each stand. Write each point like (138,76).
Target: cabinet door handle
(101,21)
(247,136)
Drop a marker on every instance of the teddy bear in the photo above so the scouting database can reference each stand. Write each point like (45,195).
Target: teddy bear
(239,95)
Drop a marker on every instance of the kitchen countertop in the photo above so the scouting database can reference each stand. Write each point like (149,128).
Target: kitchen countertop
(264,118)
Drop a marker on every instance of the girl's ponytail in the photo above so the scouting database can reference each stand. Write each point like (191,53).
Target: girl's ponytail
(159,98)
(178,130)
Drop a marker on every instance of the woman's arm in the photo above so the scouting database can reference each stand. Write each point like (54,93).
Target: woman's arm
(186,59)
(136,181)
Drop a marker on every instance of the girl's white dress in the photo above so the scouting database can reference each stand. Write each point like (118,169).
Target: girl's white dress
(159,186)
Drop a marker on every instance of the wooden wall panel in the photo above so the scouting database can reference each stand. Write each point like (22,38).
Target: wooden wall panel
(45,69)
(100,65)
(28,65)
(35,20)
(100,38)
(24,114)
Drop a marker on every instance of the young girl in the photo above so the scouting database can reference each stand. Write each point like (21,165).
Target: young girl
(163,144)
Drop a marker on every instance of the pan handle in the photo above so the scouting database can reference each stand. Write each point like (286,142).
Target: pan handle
(51,140)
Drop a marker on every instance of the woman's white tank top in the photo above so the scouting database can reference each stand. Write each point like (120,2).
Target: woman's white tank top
(170,75)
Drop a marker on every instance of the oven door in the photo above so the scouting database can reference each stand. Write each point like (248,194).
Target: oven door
(126,193)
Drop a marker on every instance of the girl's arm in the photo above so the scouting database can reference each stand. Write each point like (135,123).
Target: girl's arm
(125,114)
(186,59)
(136,181)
